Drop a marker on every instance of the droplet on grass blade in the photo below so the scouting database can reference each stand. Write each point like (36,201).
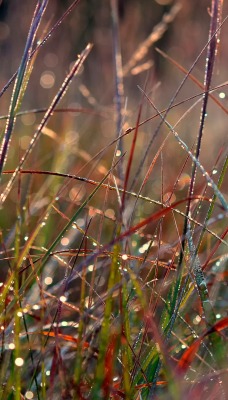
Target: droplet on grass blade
(19,362)
(48,280)
(19,314)
(29,395)
(36,307)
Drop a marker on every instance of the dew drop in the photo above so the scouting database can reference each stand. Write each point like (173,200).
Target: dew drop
(19,314)
(36,307)
(19,362)
(29,395)
(48,280)
(222,95)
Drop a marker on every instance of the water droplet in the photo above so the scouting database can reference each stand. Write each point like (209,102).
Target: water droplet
(29,395)
(48,280)
(222,95)
(36,307)
(19,314)
(19,362)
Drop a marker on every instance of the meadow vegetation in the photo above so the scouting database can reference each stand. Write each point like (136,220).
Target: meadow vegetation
(113,163)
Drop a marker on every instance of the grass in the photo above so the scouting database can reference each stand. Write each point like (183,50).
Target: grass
(113,216)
